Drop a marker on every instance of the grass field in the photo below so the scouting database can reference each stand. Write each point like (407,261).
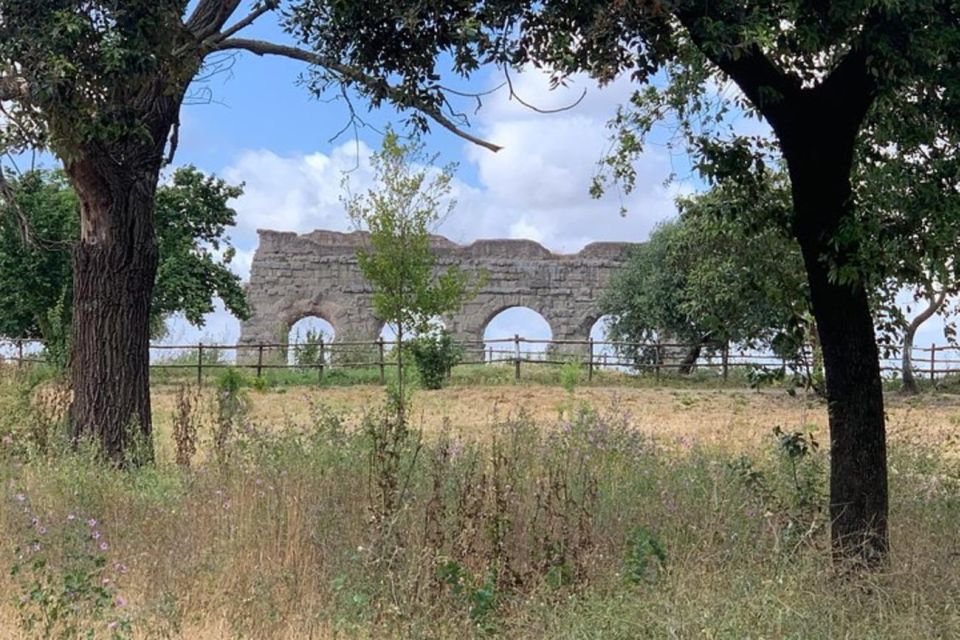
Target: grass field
(509,511)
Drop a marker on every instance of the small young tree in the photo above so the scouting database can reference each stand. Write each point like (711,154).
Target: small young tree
(408,201)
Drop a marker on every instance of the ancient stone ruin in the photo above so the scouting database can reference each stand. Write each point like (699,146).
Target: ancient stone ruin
(316,274)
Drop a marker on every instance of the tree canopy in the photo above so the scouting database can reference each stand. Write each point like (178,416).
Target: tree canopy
(36,278)
(829,78)
(710,278)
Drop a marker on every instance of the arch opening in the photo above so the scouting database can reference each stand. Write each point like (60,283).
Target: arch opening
(499,332)
(603,352)
(305,337)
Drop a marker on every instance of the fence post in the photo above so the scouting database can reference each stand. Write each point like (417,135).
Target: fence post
(657,358)
(590,359)
(199,364)
(725,356)
(259,359)
(383,377)
(933,361)
(516,357)
(321,359)
(19,353)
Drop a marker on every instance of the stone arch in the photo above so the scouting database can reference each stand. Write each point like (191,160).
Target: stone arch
(543,332)
(317,274)
(327,312)
(495,311)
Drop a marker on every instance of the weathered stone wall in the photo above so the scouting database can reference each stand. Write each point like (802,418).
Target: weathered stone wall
(316,274)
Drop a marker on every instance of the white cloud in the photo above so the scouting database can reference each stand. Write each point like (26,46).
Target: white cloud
(538,184)
(535,188)
(298,193)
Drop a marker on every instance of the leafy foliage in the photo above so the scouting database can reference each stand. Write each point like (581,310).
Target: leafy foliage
(399,213)
(723,272)
(434,355)
(35,266)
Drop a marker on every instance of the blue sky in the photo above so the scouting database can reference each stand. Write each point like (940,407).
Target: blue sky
(262,127)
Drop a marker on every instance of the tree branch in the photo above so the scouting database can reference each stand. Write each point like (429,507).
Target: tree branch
(351,74)
(766,85)
(13,88)
(935,301)
(266,7)
(851,87)
(210,16)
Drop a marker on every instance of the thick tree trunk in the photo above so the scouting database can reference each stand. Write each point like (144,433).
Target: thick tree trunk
(114,267)
(858,455)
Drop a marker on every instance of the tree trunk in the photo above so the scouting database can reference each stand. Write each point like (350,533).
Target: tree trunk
(909,382)
(858,456)
(689,361)
(114,265)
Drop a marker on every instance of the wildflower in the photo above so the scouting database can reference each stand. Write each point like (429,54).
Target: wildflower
(120,567)
(35,547)
(120,601)
(91,523)
(106,581)
(95,535)
(71,517)
(104,546)
(112,625)
(42,530)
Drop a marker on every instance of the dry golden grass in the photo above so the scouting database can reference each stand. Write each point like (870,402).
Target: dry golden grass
(259,551)
(724,419)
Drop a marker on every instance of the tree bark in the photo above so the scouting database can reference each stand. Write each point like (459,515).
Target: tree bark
(817,128)
(909,382)
(114,266)
(858,457)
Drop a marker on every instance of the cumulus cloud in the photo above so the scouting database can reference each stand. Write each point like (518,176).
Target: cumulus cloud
(535,188)
(295,193)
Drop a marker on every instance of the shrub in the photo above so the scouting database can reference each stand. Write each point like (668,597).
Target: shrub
(434,355)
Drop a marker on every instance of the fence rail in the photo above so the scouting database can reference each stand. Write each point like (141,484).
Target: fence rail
(593,355)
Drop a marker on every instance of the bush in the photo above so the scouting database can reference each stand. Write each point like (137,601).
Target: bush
(434,355)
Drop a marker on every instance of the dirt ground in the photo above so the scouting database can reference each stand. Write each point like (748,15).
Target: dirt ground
(735,420)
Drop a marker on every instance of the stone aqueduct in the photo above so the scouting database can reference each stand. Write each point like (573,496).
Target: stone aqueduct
(316,274)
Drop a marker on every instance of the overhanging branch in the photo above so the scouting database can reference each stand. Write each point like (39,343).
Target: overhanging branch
(210,16)
(761,80)
(351,74)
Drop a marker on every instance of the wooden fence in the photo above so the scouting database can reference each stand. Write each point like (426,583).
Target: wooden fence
(592,355)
